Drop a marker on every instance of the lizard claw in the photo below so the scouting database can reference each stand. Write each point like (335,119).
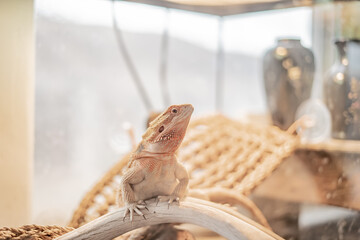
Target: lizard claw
(173,199)
(157,200)
(161,199)
(133,207)
(169,199)
(142,205)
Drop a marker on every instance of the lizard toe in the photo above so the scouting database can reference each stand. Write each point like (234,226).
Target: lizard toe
(133,208)
(173,199)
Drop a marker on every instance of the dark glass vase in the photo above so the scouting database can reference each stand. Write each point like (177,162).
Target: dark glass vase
(288,71)
(342,91)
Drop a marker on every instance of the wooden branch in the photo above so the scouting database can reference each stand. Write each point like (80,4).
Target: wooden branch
(227,196)
(194,211)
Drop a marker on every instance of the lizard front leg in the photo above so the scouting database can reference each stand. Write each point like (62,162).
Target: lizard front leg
(131,177)
(180,190)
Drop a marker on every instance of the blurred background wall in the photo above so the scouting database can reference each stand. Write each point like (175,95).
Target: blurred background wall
(84,92)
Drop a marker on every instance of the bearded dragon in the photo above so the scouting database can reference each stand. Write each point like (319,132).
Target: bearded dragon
(153,169)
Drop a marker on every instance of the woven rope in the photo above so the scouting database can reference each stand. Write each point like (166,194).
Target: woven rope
(217,151)
(33,232)
(233,155)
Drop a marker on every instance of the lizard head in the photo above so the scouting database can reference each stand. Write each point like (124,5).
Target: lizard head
(166,132)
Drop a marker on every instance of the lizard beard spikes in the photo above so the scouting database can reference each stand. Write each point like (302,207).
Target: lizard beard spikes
(167,137)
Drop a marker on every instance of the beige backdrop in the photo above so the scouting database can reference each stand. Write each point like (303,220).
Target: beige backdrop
(16,110)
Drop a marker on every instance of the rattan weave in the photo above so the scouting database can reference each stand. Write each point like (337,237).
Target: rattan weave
(33,232)
(220,152)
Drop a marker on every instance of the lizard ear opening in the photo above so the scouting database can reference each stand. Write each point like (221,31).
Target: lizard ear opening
(161,129)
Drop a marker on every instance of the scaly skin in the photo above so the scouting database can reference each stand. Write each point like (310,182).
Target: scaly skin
(153,170)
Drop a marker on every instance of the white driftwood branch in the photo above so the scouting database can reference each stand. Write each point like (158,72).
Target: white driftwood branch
(195,211)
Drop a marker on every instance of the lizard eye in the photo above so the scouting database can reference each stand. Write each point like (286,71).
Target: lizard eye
(161,129)
(174,110)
